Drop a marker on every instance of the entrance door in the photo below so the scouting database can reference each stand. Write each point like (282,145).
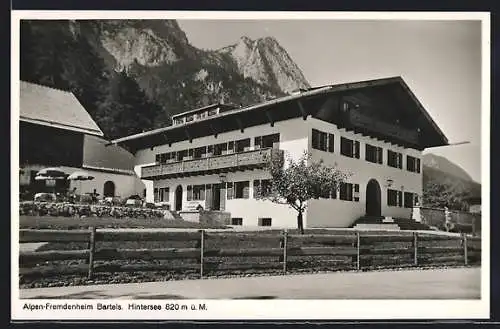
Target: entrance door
(216,196)
(109,189)
(178,198)
(373,202)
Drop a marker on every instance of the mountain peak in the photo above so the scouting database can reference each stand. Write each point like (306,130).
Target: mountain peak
(266,62)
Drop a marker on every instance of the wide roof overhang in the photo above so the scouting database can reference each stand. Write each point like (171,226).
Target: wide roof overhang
(293,106)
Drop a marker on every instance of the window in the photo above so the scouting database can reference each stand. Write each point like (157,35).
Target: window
(394,159)
(392,198)
(261,188)
(236,221)
(265,221)
(200,152)
(230,147)
(319,140)
(243,145)
(241,190)
(412,164)
(331,143)
(158,158)
(161,194)
(189,195)
(190,118)
(230,190)
(349,147)
(220,149)
(266,141)
(408,202)
(346,192)
(181,155)
(373,154)
(198,192)
(190,153)
(213,112)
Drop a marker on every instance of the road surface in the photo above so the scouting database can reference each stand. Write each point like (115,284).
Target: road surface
(454,283)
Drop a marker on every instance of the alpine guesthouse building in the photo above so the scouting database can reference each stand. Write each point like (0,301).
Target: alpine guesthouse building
(214,157)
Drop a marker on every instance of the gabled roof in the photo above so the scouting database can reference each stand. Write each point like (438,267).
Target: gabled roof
(279,109)
(55,108)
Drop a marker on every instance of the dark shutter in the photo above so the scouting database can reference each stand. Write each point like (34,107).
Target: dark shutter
(256,189)
(356,191)
(380,155)
(400,161)
(356,150)
(229,190)
(331,143)
(418,166)
(156,195)
(230,146)
(189,193)
(400,199)
(315,139)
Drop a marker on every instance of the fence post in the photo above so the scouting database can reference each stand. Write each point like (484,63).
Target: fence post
(285,243)
(358,254)
(202,251)
(415,248)
(464,241)
(91,251)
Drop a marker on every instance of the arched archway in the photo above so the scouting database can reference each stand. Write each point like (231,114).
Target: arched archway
(178,198)
(109,189)
(373,198)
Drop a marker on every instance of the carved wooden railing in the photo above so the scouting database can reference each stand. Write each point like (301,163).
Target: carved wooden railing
(212,163)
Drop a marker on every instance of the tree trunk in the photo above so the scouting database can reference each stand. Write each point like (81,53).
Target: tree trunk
(300,223)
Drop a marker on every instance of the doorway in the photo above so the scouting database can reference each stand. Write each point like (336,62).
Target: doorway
(373,196)
(109,189)
(216,196)
(178,198)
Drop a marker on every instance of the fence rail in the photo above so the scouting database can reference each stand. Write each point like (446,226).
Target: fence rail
(359,250)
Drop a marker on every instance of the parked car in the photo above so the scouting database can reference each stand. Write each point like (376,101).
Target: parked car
(134,201)
(45,197)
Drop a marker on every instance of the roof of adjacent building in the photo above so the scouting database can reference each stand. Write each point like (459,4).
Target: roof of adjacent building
(279,109)
(96,154)
(55,108)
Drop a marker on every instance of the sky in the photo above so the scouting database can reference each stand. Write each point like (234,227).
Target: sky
(439,60)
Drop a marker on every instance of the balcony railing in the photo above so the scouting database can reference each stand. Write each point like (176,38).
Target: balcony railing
(363,121)
(212,164)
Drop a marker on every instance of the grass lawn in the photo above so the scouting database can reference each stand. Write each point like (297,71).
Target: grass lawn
(70,223)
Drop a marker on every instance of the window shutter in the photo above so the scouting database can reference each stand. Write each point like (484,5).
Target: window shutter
(380,152)
(356,149)
(189,193)
(230,146)
(156,195)
(202,192)
(400,199)
(331,143)
(256,189)
(356,192)
(400,161)
(157,158)
(166,194)
(418,166)
(229,190)
(315,139)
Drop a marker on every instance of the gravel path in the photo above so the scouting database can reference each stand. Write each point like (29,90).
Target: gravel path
(452,283)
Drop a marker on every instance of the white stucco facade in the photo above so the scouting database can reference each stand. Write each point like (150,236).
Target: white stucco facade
(340,213)
(295,139)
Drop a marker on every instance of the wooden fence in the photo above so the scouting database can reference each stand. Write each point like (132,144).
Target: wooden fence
(356,251)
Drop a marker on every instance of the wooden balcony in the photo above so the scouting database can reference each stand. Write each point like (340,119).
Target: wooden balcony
(241,161)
